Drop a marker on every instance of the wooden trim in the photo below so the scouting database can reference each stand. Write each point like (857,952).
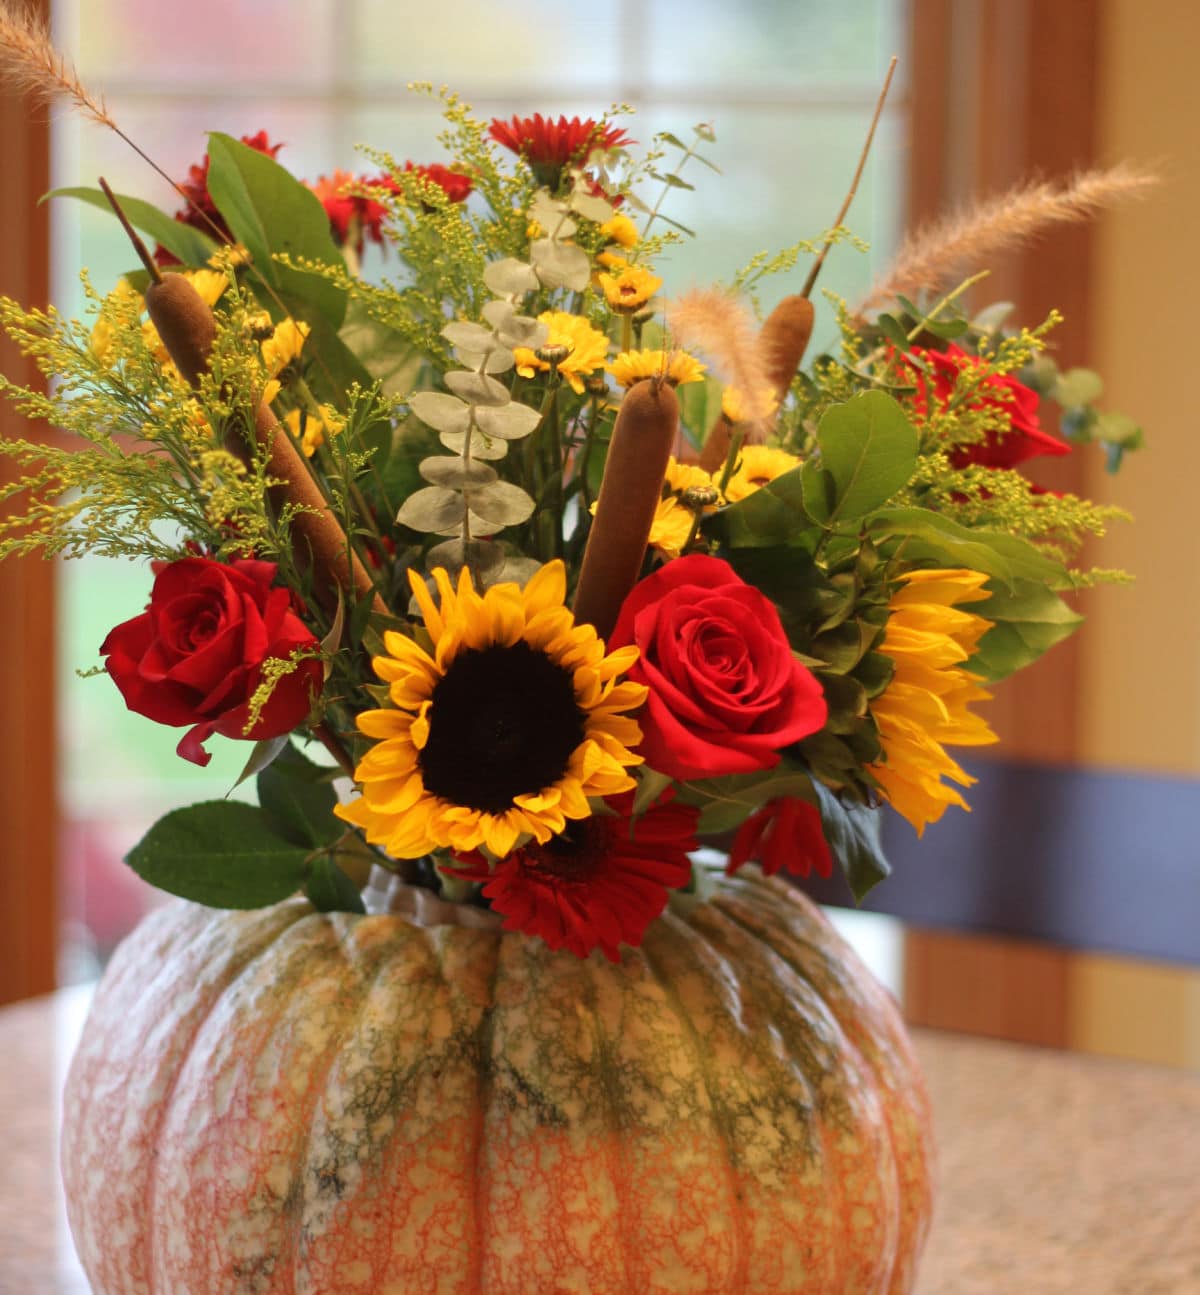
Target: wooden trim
(28,793)
(1017,82)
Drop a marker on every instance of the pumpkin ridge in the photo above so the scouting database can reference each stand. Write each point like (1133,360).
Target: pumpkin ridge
(240,967)
(740,1229)
(864,1011)
(828,1119)
(377,964)
(483,1088)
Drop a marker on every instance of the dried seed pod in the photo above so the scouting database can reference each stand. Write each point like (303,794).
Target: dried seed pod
(629,494)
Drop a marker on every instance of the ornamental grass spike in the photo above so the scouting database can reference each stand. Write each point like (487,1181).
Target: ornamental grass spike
(633,475)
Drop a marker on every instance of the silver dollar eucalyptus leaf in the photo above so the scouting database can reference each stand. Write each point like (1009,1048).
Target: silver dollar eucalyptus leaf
(498,360)
(501,504)
(471,337)
(477,389)
(441,412)
(433,509)
(510,277)
(484,557)
(509,422)
(482,447)
(455,474)
(560,265)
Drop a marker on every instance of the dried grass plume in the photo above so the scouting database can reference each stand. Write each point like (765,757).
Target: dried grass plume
(724,329)
(929,258)
(29,63)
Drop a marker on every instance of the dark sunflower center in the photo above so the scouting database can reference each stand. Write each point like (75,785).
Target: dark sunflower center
(503,723)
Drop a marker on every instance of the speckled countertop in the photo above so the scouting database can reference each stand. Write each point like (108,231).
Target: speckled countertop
(1058,1173)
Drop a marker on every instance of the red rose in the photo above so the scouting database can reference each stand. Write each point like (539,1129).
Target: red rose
(726,693)
(1024,440)
(195,655)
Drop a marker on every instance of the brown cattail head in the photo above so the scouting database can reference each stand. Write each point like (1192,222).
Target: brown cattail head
(629,494)
(784,339)
(185,323)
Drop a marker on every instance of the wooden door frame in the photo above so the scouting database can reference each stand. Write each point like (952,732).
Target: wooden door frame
(1002,93)
(28,785)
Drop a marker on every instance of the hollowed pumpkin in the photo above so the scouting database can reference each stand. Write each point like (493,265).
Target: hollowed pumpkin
(283,1101)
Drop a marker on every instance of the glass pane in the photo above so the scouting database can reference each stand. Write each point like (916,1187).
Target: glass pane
(253,44)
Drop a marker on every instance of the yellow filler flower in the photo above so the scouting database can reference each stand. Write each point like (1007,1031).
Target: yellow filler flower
(927,703)
(503,732)
(586,348)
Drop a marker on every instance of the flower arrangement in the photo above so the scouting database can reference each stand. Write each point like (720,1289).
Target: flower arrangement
(554,576)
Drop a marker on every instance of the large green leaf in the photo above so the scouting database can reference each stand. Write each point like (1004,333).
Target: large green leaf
(300,798)
(385,354)
(329,890)
(191,245)
(271,213)
(853,835)
(221,853)
(922,535)
(868,452)
(771,517)
(1029,620)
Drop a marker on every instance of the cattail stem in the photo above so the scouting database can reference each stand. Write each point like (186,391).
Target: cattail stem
(138,246)
(629,496)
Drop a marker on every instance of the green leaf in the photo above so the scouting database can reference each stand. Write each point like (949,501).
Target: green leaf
(1118,429)
(894,331)
(329,890)
(726,802)
(261,755)
(270,212)
(869,448)
(221,853)
(853,835)
(1029,619)
(300,798)
(191,245)
(384,354)
(668,138)
(771,517)
(926,536)
(1078,387)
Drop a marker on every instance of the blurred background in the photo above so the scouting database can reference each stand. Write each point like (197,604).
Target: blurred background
(1066,909)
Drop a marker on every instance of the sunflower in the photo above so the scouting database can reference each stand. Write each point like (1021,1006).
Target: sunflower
(757,465)
(312,430)
(597,885)
(927,702)
(503,732)
(674,366)
(673,520)
(630,288)
(586,348)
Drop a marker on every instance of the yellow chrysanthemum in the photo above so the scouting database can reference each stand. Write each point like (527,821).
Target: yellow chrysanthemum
(620,230)
(675,366)
(757,465)
(629,289)
(312,431)
(738,409)
(586,347)
(503,732)
(926,705)
(284,345)
(613,261)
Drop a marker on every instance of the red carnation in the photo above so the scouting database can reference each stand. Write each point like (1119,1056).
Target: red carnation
(548,145)
(1002,393)
(196,654)
(727,695)
(785,834)
(200,211)
(600,883)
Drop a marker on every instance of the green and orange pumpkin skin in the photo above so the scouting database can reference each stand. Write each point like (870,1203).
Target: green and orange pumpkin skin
(324,1104)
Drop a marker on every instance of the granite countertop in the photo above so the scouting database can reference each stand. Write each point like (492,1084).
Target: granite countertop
(1058,1172)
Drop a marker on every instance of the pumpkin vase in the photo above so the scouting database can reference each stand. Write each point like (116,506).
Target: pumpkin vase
(415,1102)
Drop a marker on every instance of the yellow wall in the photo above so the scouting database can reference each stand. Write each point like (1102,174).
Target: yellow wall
(1141,649)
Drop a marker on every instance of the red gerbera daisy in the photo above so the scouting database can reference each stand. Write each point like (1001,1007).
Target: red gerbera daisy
(786,833)
(600,883)
(456,186)
(353,217)
(200,211)
(548,145)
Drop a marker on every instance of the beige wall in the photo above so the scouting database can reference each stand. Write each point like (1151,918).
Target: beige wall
(1141,650)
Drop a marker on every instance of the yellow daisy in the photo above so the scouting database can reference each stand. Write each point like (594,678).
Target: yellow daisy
(313,431)
(672,522)
(757,465)
(630,288)
(586,347)
(620,230)
(284,345)
(927,702)
(503,732)
(675,366)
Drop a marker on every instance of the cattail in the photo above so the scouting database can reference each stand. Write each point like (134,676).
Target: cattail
(629,494)
(184,322)
(781,344)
